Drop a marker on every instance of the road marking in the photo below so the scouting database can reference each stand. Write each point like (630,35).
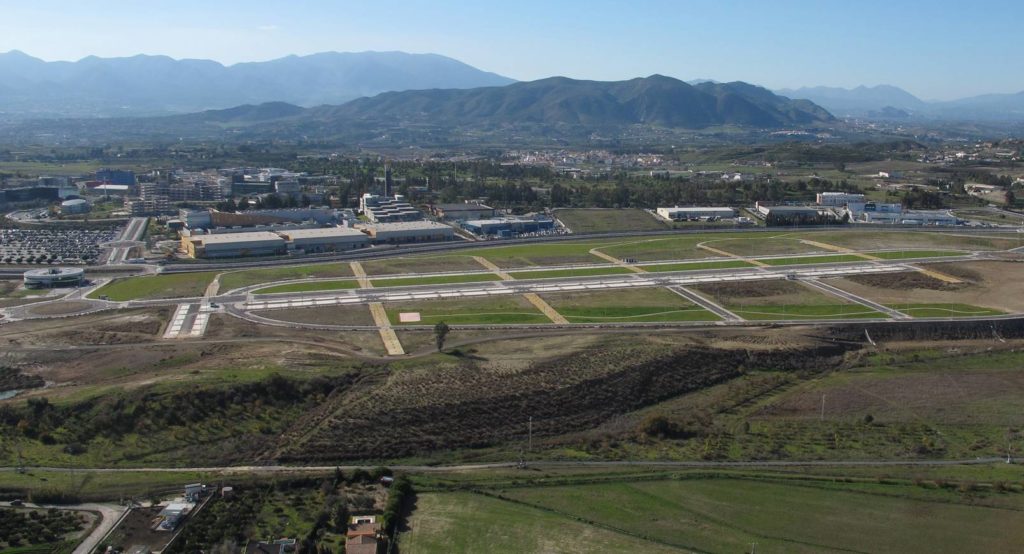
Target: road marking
(703,302)
(841,249)
(387,334)
(357,270)
(174,329)
(937,275)
(617,261)
(545,308)
(720,252)
(494,268)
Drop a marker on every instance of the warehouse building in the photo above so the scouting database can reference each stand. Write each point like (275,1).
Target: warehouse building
(462,212)
(407,231)
(333,239)
(232,245)
(838,199)
(696,212)
(508,226)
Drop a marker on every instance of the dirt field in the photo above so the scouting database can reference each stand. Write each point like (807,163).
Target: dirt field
(992,284)
(61,308)
(765,293)
(333,315)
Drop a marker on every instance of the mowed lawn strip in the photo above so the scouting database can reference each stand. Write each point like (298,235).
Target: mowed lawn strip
(435,280)
(806,260)
(696,266)
(168,285)
(575,272)
(648,304)
(910,254)
(799,311)
(727,515)
(421,264)
(311,286)
(605,220)
(945,310)
(239,279)
(462,522)
(496,310)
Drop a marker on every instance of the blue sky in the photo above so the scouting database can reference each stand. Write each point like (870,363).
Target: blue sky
(938,49)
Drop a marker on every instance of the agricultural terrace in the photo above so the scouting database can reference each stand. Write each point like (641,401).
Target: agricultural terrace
(506,309)
(170,285)
(639,305)
(781,300)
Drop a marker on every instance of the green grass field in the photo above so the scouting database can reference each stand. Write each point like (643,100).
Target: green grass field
(696,266)
(729,515)
(609,220)
(435,280)
(171,285)
(653,304)
(508,309)
(807,260)
(312,286)
(803,311)
(944,310)
(530,255)
(577,272)
(910,254)
(239,279)
(421,264)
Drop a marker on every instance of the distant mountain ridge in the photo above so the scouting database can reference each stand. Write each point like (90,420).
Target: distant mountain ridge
(883,101)
(154,85)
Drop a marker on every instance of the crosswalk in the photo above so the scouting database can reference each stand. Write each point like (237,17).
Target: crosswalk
(189,321)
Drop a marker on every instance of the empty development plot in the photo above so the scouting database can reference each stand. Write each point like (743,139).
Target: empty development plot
(435,280)
(421,264)
(238,279)
(809,260)
(696,266)
(506,309)
(781,300)
(573,272)
(325,315)
(651,304)
(599,220)
(172,285)
(310,286)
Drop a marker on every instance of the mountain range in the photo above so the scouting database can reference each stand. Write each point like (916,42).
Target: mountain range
(887,101)
(156,85)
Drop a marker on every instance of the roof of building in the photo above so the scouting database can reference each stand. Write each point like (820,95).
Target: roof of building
(367,529)
(112,187)
(405,226)
(228,238)
(701,208)
(74,202)
(322,233)
(463,207)
(361,545)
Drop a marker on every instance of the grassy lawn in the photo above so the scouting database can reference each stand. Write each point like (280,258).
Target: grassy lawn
(807,260)
(599,220)
(171,285)
(908,254)
(696,266)
(577,272)
(506,309)
(800,311)
(421,264)
(652,304)
(465,522)
(728,515)
(551,253)
(677,247)
(435,280)
(341,284)
(876,240)
(944,310)
(239,279)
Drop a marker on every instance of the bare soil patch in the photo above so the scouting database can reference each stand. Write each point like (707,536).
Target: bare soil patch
(61,308)
(330,315)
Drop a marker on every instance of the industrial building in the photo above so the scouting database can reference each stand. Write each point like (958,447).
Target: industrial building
(75,206)
(407,231)
(909,217)
(388,209)
(508,226)
(51,277)
(696,212)
(232,245)
(462,212)
(333,239)
(838,199)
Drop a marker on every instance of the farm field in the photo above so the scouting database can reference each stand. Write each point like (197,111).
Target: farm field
(311,286)
(992,285)
(503,309)
(652,304)
(448,523)
(172,285)
(576,272)
(421,264)
(599,220)
(435,280)
(238,279)
(772,300)
(722,515)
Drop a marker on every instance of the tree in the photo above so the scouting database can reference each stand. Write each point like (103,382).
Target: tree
(440,333)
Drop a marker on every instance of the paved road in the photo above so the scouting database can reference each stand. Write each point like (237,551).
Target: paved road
(836,291)
(705,303)
(109,515)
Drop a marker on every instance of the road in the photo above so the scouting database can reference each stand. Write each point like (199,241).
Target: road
(836,291)
(109,515)
(130,238)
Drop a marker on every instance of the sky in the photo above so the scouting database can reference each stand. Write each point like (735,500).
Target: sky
(936,49)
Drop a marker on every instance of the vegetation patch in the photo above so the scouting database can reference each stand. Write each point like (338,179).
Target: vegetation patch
(807,260)
(574,272)
(40,531)
(238,279)
(697,266)
(945,310)
(652,304)
(597,220)
(436,280)
(506,309)
(310,286)
(912,254)
(165,285)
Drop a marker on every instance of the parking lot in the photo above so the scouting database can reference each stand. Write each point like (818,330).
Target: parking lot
(45,246)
